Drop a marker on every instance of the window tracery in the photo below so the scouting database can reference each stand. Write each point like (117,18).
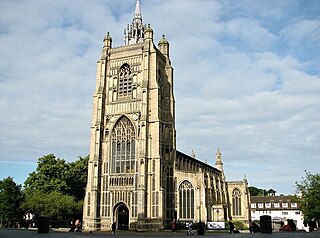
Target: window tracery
(236,202)
(123,147)
(186,200)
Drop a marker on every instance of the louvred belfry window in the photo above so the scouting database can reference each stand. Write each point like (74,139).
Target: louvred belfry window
(125,81)
(123,147)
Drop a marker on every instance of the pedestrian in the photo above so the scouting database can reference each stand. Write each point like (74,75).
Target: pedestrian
(201,228)
(113,228)
(250,226)
(173,225)
(72,228)
(190,231)
(231,226)
(77,226)
(255,227)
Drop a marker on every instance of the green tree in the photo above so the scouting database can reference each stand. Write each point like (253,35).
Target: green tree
(57,188)
(55,205)
(309,196)
(11,198)
(76,177)
(49,176)
(257,191)
(54,174)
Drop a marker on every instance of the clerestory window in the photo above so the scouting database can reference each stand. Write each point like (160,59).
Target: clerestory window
(123,147)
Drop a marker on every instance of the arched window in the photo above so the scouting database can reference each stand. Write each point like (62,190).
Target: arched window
(89,202)
(186,200)
(123,147)
(236,202)
(125,81)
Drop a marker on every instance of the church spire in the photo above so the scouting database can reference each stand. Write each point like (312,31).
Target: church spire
(135,32)
(137,13)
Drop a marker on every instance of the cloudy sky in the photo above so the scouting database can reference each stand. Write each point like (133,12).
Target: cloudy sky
(246,81)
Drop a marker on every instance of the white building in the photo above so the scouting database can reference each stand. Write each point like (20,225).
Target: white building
(280,208)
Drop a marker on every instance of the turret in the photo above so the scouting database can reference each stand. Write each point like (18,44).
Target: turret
(164,46)
(219,164)
(107,41)
(107,44)
(148,34)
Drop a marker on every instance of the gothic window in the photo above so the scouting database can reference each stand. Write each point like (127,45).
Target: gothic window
(125,81)
(123,147)
(88,205)
(236,202)
(186,200)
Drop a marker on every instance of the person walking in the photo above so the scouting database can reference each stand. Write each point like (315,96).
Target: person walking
(174,225)
(231,225)
(190,231)
(250,226)
(113,228)
(77,226)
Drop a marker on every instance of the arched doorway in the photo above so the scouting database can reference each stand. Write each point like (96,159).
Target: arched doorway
(123,217)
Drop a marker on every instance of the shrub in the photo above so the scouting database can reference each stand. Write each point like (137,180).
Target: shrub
(238,225)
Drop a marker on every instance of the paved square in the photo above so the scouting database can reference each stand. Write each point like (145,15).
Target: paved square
(15,233)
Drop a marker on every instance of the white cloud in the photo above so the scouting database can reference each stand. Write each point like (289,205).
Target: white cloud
(246,34)
(246,80)
(302,32)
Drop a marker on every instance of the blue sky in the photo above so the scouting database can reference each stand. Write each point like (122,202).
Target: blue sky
(246,81)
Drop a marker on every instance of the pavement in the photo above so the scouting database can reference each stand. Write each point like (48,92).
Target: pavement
(23,233)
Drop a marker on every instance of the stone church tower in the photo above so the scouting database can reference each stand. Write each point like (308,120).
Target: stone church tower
(136,177)
(132,141)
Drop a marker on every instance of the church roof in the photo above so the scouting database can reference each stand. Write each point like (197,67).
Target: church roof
(188,157)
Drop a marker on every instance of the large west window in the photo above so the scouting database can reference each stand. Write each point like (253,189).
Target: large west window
(123,147)
(236,202)
(186,200)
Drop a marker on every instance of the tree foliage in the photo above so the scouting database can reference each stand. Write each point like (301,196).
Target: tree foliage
(257,191)
(11,198)
(238,225)
(55,205)
(55,174)
(76,177)
(49,176)
(57,188)
(309,196)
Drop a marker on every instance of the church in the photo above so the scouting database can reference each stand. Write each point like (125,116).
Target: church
(136,177)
